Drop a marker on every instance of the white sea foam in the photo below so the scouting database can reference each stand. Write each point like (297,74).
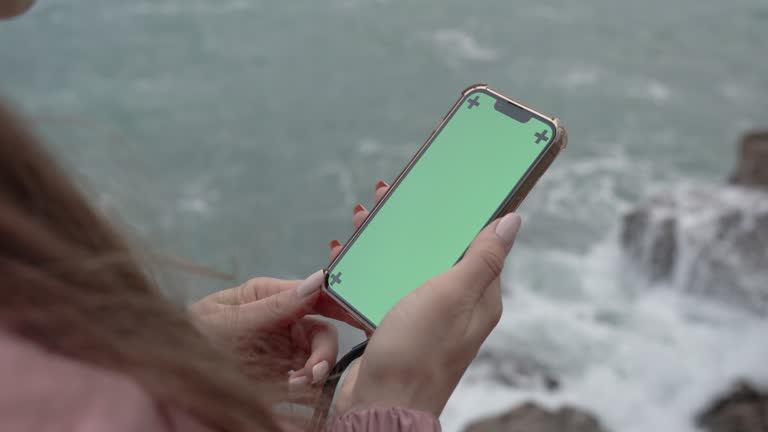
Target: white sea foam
(369,146)
(197,197)
(650,89)
(639,357)
(179,8)
(581,77)
(737,91)
(194,205)
(653,366)
(462,45)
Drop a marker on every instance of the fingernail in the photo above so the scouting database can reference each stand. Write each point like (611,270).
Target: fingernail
(334,244)
(298,381)
(320,371)
(310,285)
(358,208)
(380,184)
(508,227)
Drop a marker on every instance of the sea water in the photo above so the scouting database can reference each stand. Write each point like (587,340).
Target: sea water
(239,134)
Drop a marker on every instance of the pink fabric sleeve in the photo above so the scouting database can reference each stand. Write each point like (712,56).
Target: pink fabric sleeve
(43,392)
(386,419)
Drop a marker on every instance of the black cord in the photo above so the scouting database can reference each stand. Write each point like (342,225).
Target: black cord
(329,388)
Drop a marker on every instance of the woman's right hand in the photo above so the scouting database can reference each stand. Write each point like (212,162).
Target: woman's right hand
(417,355)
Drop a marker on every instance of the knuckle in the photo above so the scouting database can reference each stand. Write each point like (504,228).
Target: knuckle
(319,326)
(249,289)
(492,261)
(331,330)
(274,305)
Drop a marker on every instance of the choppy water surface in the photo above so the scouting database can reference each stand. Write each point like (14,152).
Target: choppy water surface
(245,131)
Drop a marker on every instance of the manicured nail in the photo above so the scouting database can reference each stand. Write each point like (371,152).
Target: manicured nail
(320,372)
(334,244)
(380,184)
(311,284)
(358,208)
(508,227)
(298,381)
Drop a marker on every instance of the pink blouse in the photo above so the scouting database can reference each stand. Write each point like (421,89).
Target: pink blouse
(43,392)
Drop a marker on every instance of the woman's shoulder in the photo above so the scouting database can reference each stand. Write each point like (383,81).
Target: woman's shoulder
(51,392)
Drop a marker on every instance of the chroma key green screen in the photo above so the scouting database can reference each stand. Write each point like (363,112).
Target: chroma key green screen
(449,194)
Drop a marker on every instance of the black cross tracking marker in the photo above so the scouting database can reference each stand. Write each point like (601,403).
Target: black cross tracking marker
(334,279)
(473,102)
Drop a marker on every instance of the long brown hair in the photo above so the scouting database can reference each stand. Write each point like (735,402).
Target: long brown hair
(72,285)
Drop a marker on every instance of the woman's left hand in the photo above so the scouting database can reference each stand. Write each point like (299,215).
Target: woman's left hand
(266,318)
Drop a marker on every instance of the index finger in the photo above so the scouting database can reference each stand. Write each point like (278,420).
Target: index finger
(253,290)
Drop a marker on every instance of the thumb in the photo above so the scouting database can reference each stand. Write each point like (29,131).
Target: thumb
(484,259)
(284,307)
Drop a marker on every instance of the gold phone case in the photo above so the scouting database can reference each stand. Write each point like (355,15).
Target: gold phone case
(510,203)
(517,195)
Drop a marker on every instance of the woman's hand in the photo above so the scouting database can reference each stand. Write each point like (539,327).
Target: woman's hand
(425,343)
(265,318)
(268,317)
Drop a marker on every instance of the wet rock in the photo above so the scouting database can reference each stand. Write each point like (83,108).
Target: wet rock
(744,409)
(516,370)
(708,240)
(649,235)
(530,417)
(752,165)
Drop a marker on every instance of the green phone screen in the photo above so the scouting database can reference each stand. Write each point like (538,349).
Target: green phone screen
(434,212)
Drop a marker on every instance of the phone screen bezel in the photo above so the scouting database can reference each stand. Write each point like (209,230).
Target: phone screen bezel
(479,88)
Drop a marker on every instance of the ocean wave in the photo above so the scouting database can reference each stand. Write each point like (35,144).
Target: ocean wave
(649,89)
(180,8)
(657,359)
(462,45)
(581,77)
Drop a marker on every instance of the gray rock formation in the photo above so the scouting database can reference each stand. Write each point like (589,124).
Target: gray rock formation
(752,167)
(649,234)
(532,418)
(711,241)
(511,369)
(744,409)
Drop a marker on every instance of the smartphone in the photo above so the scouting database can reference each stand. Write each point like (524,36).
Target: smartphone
(477,165)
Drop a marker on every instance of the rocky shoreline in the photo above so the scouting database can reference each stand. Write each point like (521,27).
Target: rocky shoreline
(710,241)
(530,417)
